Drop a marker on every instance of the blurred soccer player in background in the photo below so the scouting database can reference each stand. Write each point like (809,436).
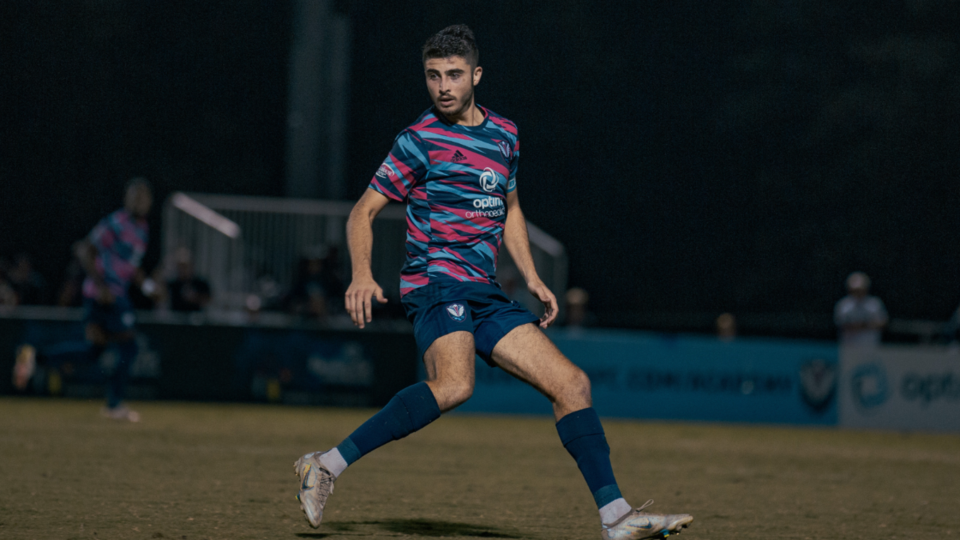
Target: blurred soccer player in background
(110,256)
(455,168)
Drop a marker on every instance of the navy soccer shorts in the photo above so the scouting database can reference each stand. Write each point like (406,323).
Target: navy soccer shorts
(115,318)
(479,308)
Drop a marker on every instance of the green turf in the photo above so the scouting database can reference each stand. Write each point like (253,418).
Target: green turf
(195,471)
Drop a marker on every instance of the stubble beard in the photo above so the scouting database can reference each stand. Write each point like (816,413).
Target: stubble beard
(464,106)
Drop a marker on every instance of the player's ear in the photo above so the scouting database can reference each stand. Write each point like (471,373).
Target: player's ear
(477,72)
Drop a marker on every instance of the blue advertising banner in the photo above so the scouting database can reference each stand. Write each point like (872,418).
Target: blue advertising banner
(676,377)
(904,388)
(181,359)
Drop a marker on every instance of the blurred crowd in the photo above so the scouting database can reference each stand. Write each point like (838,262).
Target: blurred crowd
(860,318)
(22,285)
(317,289)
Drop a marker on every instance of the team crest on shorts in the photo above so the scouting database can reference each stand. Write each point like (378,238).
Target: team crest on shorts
(456,312)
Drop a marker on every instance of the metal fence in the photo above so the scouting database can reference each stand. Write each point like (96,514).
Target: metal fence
(250,248)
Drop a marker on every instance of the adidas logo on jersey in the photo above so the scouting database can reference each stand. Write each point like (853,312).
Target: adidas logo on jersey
(458,157)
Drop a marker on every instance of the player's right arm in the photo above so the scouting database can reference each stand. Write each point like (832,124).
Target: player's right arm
(360,241)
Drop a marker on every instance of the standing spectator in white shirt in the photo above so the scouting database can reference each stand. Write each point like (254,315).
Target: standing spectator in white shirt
(860,318)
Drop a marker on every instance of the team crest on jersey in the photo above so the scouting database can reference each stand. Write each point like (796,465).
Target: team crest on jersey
(505,149)
(385,171)
(489,179)
(456,312)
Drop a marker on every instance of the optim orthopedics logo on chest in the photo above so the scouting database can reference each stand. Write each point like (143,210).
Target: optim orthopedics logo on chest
(488,207)
(489,179)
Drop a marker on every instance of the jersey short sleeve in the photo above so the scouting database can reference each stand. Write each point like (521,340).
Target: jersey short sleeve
(405,166)
(514,158)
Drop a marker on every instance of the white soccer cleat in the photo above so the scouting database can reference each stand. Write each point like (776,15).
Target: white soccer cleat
(120,412)
(316,484)
(637,525)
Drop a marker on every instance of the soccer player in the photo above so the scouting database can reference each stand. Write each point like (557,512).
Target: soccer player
(110,255)
(455,168)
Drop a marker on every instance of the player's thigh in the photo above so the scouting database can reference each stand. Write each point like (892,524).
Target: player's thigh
(96,334)
(109,323)
(529,355)
(450,357)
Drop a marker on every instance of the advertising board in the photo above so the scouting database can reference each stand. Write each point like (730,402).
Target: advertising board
(903,388)
(677,377)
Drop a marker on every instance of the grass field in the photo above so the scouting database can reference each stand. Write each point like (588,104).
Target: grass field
(211,471)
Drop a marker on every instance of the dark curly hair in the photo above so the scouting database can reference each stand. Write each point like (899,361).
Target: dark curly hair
(455,40)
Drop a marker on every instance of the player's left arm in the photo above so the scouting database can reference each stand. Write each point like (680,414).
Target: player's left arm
(879,317)
(518,244)
(88,249)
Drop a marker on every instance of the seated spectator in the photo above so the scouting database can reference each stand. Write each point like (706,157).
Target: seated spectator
(8,296)
(29,285)
(187,291)
(71,290)
(577,315)
(332,280)
(308,296)
(726,326)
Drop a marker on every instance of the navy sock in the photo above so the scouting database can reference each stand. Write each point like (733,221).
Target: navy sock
(411,409)
(582,435)
(117,381)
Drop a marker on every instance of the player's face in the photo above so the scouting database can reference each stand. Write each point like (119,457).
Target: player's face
(450,82)
(138,201)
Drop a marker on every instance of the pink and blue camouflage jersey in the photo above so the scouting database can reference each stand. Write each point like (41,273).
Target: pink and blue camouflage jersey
(455,181)
(120,240)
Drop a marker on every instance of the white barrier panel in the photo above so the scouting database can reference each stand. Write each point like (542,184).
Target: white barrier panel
(254,245)
(902,388)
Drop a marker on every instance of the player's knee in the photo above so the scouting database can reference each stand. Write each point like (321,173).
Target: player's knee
(450,392)
(578,386)
(460,392)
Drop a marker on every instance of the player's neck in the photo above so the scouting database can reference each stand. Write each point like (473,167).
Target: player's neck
(471,116)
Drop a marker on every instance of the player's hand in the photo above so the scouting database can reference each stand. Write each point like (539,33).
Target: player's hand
(550,309)
(358,300)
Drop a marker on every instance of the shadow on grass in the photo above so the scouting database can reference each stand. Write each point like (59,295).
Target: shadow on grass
(418,527)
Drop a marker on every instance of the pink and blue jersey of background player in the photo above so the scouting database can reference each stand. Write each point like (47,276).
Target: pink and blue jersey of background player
(455,181)
(120,240)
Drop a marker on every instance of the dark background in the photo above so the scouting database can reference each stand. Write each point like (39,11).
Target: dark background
(694,157)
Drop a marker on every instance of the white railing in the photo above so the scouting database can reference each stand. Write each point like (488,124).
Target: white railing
(251,246)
